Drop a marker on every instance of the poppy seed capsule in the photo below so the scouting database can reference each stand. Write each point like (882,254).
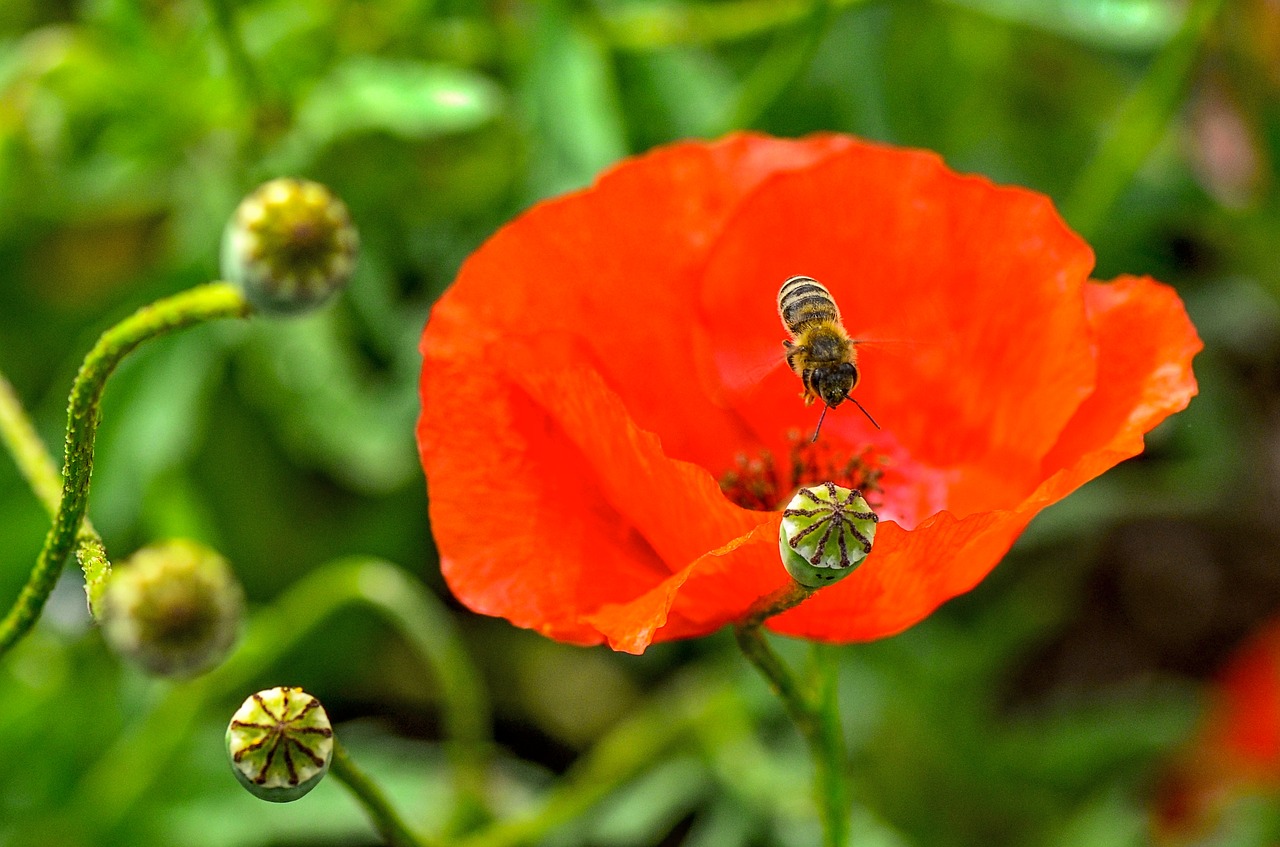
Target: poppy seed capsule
(280,743)
(826,532)
(174,608)
(290,246)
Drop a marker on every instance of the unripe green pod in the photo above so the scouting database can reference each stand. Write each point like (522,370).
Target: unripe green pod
(290,246)
(826,532)
(174,608)
(280,743)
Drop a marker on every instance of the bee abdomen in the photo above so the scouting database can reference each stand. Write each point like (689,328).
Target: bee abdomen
(802,301)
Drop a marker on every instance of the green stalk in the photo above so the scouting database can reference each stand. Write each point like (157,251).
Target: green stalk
(627,751)
(826,744)
(206,302)
(381,813)
(815,712)
(424,622)
(37,467)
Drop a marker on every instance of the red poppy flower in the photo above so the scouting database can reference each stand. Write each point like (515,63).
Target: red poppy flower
(1235,752)
(1242,731)
(592,431)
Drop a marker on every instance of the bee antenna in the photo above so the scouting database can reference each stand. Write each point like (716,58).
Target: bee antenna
(822,417)
(864,411)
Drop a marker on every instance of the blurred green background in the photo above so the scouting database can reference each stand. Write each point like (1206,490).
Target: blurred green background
(1043,708)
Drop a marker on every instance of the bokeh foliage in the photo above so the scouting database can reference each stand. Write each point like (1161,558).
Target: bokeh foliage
(1041,709)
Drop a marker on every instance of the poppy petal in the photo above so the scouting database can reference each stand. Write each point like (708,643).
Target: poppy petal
(616,266)
(982,283)
(592,492)
(580,394)
(1144,345)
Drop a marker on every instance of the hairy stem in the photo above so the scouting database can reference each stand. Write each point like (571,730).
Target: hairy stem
(776,603)
(37,467)
(207,302)
(814,710)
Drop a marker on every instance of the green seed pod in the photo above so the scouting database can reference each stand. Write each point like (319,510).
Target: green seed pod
(290,246)
(826,533)
(280,743)
(174,608)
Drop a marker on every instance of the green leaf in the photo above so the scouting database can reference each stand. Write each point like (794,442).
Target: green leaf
(410,100)
(1113,24)
(570,91)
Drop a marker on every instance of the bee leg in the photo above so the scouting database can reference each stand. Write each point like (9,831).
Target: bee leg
(791,355)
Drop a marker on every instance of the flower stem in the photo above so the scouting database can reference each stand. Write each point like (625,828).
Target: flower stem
(424,622)
(631,748)
(383,815)
(776,603)
(37,467)
(216,300)
(826,744)
(1138,124)
(814,709)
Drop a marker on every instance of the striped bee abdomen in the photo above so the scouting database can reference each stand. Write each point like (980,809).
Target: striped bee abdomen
(803,301)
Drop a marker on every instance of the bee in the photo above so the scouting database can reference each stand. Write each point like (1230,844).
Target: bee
(820,350)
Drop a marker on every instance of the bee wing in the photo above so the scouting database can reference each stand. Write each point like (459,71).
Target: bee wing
(744,369)
(872,353)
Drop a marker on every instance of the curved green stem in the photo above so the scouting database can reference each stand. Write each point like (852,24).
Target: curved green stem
(111,789)
(216,300)
(814,709)
(37,467)
(424,622)
(383,815)
(1138,124)
(629,749)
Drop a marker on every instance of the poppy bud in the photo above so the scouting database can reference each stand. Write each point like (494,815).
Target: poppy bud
(826,532)
(280,743)
(290,246)
(174,608)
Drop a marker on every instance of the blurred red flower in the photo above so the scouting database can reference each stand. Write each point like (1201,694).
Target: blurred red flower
(587,387)
(1235,753)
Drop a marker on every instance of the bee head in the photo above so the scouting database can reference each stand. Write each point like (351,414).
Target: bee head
(834,383)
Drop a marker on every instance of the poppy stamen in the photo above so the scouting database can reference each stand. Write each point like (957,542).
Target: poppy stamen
(756,483)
